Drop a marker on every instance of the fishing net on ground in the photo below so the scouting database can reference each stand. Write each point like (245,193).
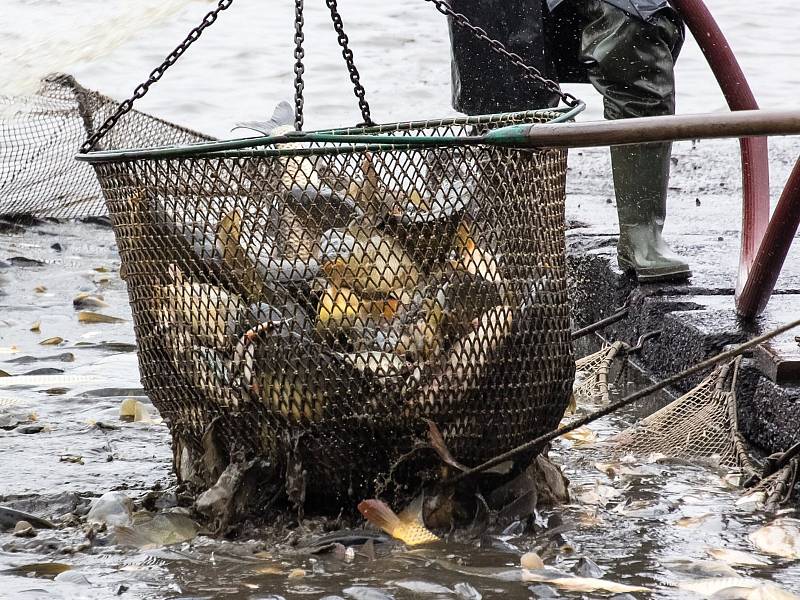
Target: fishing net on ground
(40,134)
(777,490)
(592,372)
(700,425)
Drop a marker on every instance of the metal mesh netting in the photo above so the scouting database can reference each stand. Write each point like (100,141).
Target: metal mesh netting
(313,306)
(701,424)
(40,134)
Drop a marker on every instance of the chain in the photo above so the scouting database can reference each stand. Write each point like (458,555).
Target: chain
(299,68)
(530,72)
(155,75)
(347,53)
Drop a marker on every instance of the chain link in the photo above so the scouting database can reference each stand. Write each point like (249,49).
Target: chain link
(155,75)
(530,72)
(347,53)
(299,67)
(441,5)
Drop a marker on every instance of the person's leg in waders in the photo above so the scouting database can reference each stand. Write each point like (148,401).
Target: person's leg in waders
(484,82)
(631,62)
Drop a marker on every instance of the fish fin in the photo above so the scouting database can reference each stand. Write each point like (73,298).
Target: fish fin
(228,232)
(369,188)
(282,117)
(380,515)
(413,512)
(127,536)
(437,442)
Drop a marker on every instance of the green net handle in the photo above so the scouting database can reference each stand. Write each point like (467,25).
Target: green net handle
(349,140)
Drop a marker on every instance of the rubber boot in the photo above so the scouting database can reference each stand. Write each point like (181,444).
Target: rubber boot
(641,176)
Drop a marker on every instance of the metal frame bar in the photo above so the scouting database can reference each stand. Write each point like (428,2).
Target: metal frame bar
(765,242)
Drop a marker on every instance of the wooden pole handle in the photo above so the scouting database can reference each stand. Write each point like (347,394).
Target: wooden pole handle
(739,124)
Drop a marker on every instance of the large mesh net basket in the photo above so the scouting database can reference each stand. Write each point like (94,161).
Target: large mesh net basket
(312,304)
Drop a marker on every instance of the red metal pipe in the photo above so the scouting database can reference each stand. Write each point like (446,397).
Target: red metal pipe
(755,160)
(774,248)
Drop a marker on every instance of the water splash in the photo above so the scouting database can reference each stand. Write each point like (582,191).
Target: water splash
(44,45)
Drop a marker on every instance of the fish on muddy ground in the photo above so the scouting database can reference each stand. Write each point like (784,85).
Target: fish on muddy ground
(582,436)
(752,501)
(580,584)
(737,557)
(9,518)
(692,522)
(86,316)
(88,300)
(700,568)
(733,588)
(598,494)
(408,527)
(345,538)
(779,538)
(134,411)
(51,569)
(112,508)
(163,529)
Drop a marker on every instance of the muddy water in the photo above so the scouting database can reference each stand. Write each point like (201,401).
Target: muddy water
(71,447)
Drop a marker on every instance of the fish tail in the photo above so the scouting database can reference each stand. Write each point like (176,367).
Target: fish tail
(282,118)
(380,515)
(127,536)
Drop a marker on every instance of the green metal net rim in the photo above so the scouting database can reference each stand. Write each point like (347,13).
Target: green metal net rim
(374,138)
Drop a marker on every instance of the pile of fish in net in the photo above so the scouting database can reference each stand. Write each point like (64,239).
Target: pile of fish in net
(327,302)
(40,135)
(304,311)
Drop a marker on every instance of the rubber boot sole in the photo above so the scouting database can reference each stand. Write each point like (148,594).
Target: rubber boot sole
(655,274)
